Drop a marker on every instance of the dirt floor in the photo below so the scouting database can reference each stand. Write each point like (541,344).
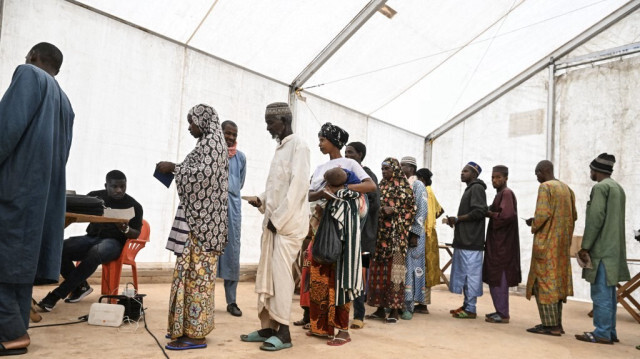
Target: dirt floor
(436,335)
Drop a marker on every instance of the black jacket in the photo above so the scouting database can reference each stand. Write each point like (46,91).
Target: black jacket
(369,233)
(470,233)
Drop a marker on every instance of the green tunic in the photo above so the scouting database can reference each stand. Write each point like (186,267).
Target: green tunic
(604,232)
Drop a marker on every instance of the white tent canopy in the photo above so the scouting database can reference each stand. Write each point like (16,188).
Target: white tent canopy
(416,70)
(133,69)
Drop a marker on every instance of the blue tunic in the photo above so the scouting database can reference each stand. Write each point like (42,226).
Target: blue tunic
(415,288)
(36,121)
(229,262)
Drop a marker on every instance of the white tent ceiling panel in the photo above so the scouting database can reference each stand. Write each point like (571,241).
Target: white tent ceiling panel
(626,31)
(396,69)
(432,89)
(176,20)
(277,38)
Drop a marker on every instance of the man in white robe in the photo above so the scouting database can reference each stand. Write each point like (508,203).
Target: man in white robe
(285,225)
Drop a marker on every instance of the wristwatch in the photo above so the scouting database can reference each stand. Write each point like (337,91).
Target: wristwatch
(126,230)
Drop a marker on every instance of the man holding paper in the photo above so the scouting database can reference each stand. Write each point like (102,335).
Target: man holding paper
(102,243)
(285,225)
(603,243)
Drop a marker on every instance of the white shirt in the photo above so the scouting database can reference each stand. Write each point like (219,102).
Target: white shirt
(317,179)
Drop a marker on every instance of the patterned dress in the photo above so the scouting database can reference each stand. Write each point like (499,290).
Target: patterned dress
(387,270)
(334,286)
(192,301)
(552,230)
(415,291)
(201,181)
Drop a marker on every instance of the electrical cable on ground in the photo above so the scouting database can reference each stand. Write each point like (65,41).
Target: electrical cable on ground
(82,319)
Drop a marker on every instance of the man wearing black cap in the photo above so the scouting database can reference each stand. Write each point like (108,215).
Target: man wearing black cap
(552,225)
(501,267)
(603,242)
(468,242)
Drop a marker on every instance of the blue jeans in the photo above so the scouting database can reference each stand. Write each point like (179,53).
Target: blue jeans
(604,306)
(230,288)
(469,303)
(91,252)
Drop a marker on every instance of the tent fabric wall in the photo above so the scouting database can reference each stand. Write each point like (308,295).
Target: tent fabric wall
(488,139)
(131,91)
(596,111)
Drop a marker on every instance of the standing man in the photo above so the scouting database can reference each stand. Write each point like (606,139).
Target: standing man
(552,227)
(603,242)
(415,290)
(285,225)
(357,151)
(229,262)
(36,121)
(501,267)
(468,242)
(103,243)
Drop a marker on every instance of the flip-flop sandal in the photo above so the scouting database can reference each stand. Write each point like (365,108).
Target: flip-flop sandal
(496,318)
(539,329)
(490,314)
(253,337)
(391,320)
(336,342)
(300,323)
(311,334)
(465,315)
(421,311)
(540,326)
(184,345)
(406,315)
(276,344)
(18,351)
(357,324)
(307,326)
(590,338)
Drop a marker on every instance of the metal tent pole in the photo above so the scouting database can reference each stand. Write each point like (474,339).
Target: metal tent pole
(551,101)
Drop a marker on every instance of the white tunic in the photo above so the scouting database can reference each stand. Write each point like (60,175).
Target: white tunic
(285,204)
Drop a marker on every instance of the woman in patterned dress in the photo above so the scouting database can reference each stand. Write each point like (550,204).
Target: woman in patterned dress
(387,270)
(199,232)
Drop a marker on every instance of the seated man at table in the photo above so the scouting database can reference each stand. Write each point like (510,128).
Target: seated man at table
(103,243)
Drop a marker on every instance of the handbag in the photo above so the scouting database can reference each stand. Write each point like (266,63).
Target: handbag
(327,246)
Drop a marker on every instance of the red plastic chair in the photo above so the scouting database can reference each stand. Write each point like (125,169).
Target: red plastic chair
(111,271)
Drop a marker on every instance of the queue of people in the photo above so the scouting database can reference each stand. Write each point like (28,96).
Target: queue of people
(386,228)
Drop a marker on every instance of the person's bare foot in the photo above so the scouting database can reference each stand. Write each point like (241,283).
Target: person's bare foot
(18,343)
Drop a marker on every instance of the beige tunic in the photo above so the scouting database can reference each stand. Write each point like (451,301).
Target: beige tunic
(285,204)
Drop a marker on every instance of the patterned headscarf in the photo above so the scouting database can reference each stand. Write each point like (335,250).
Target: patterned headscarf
(393,231)
(334,134)
(201,181)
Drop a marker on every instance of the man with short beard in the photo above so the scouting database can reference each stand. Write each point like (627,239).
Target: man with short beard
(229,261)
(285,225)
(468,242)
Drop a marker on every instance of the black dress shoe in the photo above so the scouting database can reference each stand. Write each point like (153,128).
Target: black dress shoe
(234,310)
